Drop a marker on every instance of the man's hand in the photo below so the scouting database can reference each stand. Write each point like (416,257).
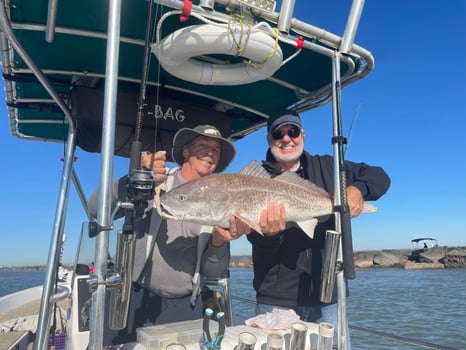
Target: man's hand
(155,162)
(237,228)
(273,219)
(355,201)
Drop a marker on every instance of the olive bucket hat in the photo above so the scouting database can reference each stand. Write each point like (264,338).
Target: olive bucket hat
(185,136)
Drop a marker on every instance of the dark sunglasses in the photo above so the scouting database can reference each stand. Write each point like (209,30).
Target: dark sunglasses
(293,133)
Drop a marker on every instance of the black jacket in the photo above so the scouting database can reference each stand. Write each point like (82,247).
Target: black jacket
(287,267)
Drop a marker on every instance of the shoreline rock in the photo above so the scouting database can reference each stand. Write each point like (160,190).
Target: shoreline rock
(436,257)
(433,258)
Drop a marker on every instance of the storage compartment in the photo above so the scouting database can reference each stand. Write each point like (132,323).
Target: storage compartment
(187,332)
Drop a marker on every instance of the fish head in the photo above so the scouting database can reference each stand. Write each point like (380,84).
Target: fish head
(199,201)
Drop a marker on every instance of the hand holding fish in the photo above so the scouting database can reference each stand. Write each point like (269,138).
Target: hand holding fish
(273,219)
(355,201)
(237,228)
(155,162)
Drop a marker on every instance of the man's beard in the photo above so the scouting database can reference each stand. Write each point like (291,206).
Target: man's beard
(287,158)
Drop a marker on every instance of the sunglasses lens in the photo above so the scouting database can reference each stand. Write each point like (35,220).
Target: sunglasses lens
(293,133)
(277,135)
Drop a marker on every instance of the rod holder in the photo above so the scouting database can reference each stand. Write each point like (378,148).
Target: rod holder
(119,299)
(329,265)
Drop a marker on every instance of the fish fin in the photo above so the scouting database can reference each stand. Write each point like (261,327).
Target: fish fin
(255,226)
(369,208)
(308,226)
(293,178)
(254,169)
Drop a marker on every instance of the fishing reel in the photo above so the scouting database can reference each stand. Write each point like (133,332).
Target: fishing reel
(141,187)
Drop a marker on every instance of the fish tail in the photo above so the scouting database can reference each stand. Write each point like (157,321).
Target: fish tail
(369,208)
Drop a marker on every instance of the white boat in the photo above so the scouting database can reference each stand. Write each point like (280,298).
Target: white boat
(82,72)
(421,245)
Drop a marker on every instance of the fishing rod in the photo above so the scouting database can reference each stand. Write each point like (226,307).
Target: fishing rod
(141,181)
(342,212)
(353,120)
(342,217)
(140,187)
(340,191)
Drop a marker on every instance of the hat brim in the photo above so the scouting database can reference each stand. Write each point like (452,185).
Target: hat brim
(299,125)
(185,136)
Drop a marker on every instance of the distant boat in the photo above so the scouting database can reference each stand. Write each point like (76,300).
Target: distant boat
(425,254)
(421,245)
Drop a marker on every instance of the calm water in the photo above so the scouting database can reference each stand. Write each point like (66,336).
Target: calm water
(15,280)
(427,305)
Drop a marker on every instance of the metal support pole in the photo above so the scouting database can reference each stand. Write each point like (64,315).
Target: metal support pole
(80,192)
(337,157)
(51,20)
(45,315)
(104,205)
(351,26)
(286,13)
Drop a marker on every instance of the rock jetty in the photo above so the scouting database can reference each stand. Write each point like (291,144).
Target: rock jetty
(433,258)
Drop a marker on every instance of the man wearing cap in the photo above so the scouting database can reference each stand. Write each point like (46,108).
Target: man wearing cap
(167,264)
(287,263)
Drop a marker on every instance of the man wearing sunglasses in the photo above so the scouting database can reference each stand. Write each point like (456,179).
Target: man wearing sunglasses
(287,263)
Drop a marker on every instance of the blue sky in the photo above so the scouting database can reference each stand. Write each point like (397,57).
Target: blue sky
(410,119)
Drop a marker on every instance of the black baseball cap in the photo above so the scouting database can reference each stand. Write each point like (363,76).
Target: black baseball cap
(283,117)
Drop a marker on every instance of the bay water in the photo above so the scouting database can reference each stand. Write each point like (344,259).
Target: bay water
(425,305)
(15,280)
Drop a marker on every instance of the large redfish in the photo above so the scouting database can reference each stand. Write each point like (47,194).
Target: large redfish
(211,200)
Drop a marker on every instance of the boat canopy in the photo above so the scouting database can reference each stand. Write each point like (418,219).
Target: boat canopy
(420,244)
(54,66)
(416,240)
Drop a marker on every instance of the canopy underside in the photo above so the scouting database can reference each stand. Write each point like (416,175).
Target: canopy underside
(74,63)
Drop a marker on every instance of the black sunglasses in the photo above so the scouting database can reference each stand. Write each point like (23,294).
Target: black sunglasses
(293,133)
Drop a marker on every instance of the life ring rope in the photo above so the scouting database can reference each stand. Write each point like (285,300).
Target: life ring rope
(240,47)
(272,53)
(238,42)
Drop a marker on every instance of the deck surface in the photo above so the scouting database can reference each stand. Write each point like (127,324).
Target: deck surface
(29,309)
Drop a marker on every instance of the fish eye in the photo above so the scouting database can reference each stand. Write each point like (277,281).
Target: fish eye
(181,197)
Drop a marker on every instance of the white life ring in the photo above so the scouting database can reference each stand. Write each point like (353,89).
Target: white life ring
(176,51)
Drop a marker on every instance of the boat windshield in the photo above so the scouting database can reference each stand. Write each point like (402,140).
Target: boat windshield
(424,243)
